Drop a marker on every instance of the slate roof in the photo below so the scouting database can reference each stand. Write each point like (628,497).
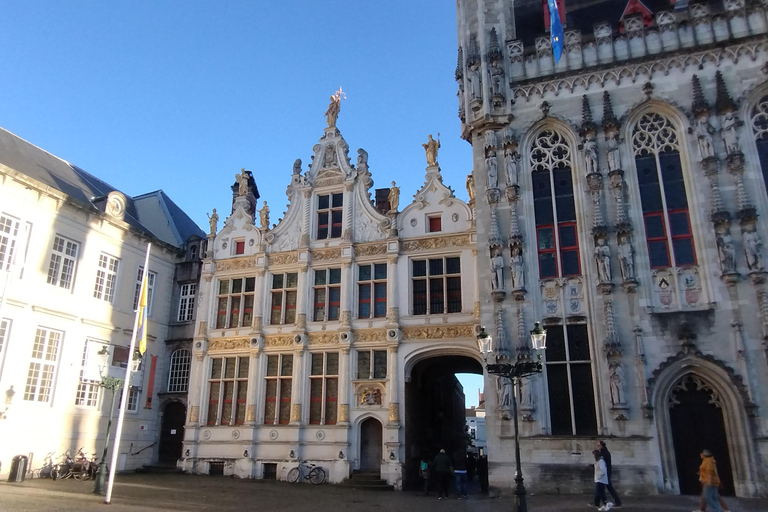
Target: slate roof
(91,192)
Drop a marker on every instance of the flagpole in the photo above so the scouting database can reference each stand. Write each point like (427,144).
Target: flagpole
(127,385)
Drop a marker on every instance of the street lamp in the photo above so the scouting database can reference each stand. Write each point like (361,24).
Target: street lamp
(113,384)
(522,367)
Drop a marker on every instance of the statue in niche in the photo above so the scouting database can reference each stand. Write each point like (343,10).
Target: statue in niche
(726,251)
(460,95)
(430,148)
(497,269)
(497,79)
(526,393)
(730,135)
(297,166)
(477,86)
(362,157)
(626,258)
(504,389)
(492,170)
(603,260)
(590,154)
(753,249)
(471,187)
(394,197)
(510,167)
(329,159)
(704,137)
(614,156)
(213,220)
(334,107)
(517,268)
(242,182)
(264,216)
(616,381)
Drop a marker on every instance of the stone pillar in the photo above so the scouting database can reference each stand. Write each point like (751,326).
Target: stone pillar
(303,298)
(347,293)
(297,380)
(344,384)
(254,387)
(392,384)
(346,228)
(393,312)
(306,228)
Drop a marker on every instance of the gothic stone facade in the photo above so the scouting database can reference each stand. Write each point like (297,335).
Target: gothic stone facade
(625,189)
(307,329)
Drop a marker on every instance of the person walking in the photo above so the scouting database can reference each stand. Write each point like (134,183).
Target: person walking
(443,471)
(710,481)
(607,458)
(424,472)
(460,472)
(601,481)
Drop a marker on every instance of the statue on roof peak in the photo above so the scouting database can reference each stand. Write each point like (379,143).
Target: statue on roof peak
(335,106)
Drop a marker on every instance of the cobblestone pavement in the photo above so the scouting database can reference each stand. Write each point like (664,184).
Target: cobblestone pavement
(141,492)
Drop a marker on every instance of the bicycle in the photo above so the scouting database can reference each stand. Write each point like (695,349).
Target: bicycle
(307,471)
(46,470)
(84,468)
(63,470)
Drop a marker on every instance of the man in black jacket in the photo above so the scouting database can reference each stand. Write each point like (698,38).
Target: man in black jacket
(607,457)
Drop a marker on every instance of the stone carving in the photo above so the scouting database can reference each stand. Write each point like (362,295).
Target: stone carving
(704,137)
(613,153)
(264,216)
(590,155)
(283,258)
(228,344)
(329,158)
(510,167)
(471,187)
(726,251)
(370,396)
(492,171)
(322,338)
(278,341)
(326,254)
(497,79)
(334,107)
(497,269)
(242,182)
(438,332)
(476,84)
(753,248)
(362,157)
(729,133)
(436,243)
(626,258)
(243,263)
(603,261)
(394,197)
(504,388)
(370,250)
(617,385)
(430,148)
(517,268)
(213,220)
(297,166)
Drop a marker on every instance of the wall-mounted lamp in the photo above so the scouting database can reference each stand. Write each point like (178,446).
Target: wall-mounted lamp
(104,351)
(341,454)
(292,455)
(391,455)
(245,453)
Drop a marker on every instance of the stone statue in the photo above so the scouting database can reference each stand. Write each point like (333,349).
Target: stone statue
(333,108)
(510,167)
(614,156)
(242,181)
(430,148)
(497,79)
(264,216)
(726,251)
(616,380)
(524,387)
(590,155)
(394,197)
(603,260)
(704,138)
(492,171)
(626,258)
(477,86)
(753,249)
(497,270)
(504,388)
(213,220)
(517,268)
(297,166)
(329,158)
(362,157)
(471,187)
(730,136)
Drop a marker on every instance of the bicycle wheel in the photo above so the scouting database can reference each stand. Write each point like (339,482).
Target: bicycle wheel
(317,476)
(54,473)
(81,474)
(293,475)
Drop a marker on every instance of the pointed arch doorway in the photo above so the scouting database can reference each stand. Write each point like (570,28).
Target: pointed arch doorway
(370,445)
(697,423)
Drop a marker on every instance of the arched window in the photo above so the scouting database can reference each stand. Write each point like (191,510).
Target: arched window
(663,197)
(760,127)
(556,233)
(178,376)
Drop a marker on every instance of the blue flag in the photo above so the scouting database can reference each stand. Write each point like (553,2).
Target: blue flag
(556,30)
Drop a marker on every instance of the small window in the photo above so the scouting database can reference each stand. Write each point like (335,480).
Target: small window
(371,364)
(239,246)
(435,224)
(61,269)
(329,215)
(283,306)
(327,292)
(372,290)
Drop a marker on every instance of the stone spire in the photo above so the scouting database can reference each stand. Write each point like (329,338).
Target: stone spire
(473,56)
(723,102)
(609,118)
(587,125)
(494,50)
(460,64)
(700,105)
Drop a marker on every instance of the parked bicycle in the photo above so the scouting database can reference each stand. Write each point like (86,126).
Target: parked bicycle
(307,471)
(47,469)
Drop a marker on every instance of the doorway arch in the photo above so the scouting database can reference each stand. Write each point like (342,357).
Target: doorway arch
(172,432)
(370,445)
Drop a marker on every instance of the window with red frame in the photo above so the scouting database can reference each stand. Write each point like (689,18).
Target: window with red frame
(327,292)
(436,286)
(228,390)
(330,210)
(239,246)
(324,386)
(435,224)
(372,289)
(235,302)
(277,406)
(663,196)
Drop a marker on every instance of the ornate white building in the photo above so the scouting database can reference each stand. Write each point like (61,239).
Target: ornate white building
(309,331)
(72,252)
(624,189)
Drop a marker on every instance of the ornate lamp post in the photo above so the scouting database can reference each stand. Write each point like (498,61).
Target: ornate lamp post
(113,384)
(522,367)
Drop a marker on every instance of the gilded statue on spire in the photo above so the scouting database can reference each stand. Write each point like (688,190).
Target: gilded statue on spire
(335,106)
(431,147)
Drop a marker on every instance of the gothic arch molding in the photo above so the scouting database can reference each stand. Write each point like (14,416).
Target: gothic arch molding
(737,415)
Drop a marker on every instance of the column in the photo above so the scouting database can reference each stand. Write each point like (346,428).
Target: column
(258,301)
(297,380)
(344,383)
(253,387)
(347,284)
(392,385)
(302,298)
(393,312)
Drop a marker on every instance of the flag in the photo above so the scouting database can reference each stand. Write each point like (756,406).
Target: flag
(142,332)
(556,29)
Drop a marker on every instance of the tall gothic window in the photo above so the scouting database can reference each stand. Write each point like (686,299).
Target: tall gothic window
(556,231)
(760,127)
(662,192)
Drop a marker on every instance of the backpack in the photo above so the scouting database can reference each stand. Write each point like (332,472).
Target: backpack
(424,465)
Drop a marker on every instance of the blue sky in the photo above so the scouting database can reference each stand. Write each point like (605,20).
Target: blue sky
(180,95)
